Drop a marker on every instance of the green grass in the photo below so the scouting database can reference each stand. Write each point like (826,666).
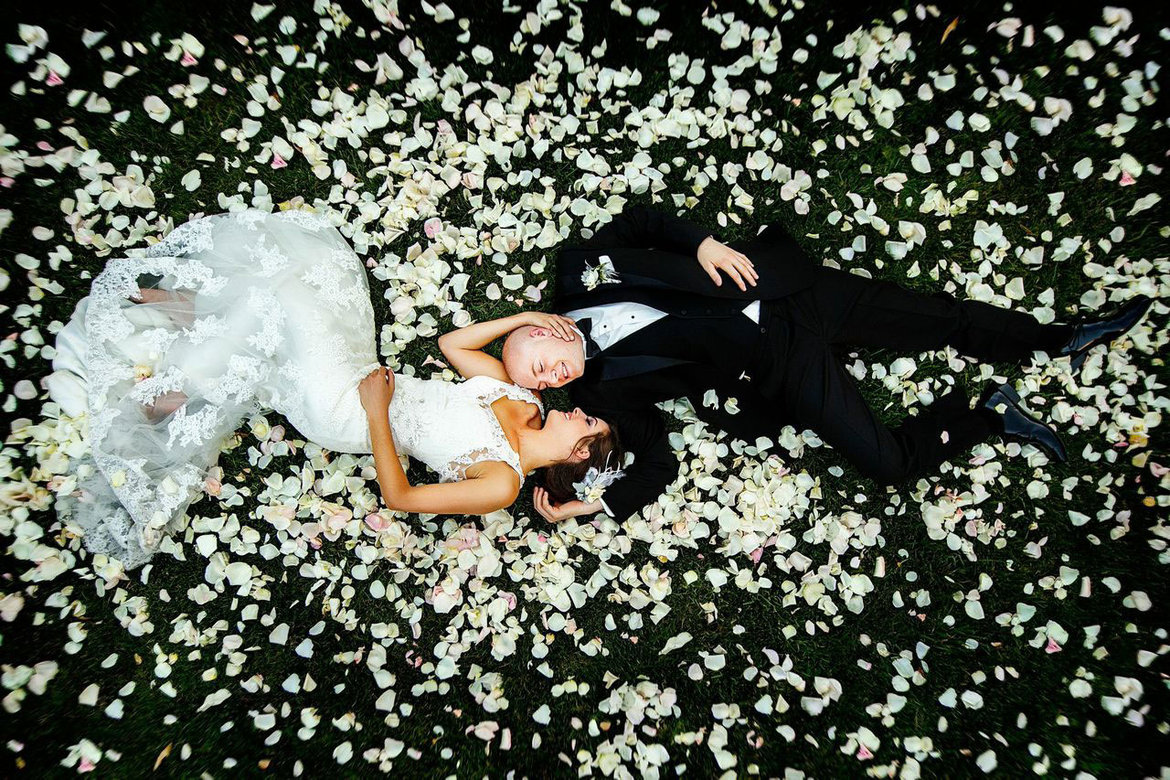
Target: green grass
(1058,727)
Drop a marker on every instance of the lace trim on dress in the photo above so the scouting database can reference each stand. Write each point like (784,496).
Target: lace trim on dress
(186,239)
(488,391)
(457,469)
(196,428)
(243,375)
(329,278)
(205,328)
(271,259)
(160,339)
(502,389)
(250,218)
(305,219)
(293,396)
(263,304)
(146,391)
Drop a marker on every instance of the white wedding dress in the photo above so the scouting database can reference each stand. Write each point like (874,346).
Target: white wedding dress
(263,311)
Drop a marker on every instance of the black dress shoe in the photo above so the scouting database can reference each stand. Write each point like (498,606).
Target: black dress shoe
(1018,425)
(1089,334)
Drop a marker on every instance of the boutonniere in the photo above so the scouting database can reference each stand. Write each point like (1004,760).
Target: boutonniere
(602,273)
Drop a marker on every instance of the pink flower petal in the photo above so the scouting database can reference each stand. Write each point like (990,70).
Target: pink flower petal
(54,80)
(864,753)
(188,59)
(432,227)
(375,521)
(278,161)
(1052,647)
(1126,179)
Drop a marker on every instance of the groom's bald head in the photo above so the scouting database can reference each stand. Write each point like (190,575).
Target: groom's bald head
(538,359)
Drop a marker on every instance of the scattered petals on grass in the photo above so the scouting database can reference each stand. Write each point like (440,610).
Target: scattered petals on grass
(773,612)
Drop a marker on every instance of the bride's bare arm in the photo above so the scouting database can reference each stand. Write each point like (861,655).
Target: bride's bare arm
(490,486)
(463,348)
(495,485)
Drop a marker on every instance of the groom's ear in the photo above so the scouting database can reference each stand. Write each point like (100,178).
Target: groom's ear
(581,453)
(537,332)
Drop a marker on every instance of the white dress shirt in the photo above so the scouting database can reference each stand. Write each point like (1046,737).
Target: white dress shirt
(612,322)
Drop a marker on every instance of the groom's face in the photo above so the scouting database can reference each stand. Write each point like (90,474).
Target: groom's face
(538,359)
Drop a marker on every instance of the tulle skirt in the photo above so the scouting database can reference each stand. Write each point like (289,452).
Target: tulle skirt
(171,350)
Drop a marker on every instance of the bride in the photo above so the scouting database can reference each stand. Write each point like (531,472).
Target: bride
(237,312)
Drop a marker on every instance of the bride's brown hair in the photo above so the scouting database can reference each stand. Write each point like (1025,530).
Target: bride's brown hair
(605,450)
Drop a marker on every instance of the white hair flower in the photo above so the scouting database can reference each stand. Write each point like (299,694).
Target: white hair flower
(593,486)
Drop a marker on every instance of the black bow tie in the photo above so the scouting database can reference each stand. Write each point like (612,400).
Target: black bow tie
(585,325)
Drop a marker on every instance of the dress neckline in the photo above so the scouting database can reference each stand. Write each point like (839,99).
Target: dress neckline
(504,431)
(512,392)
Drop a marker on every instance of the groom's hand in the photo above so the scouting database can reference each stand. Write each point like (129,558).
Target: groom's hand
(555,513)
(715,257)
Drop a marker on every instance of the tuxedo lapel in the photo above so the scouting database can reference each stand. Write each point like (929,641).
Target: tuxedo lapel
(625,384)
(619,367)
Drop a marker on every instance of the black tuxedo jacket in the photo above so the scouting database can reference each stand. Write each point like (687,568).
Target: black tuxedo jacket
(655,257)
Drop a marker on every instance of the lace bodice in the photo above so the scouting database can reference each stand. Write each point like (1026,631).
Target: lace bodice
(451,425)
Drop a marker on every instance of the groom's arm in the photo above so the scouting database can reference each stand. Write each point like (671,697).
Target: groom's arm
(653,468)
(638,226)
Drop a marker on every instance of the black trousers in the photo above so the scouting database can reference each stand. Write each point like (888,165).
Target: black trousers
(800,370)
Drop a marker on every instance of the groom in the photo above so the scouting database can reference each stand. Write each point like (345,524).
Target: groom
(665,311)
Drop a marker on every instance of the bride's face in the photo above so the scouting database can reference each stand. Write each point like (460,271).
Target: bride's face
(568,428)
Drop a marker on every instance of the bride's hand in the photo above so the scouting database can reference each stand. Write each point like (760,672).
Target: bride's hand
(555,513)
(561,326)
(377,389)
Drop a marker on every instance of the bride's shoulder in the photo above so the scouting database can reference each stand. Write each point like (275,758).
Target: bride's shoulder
(489,385)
